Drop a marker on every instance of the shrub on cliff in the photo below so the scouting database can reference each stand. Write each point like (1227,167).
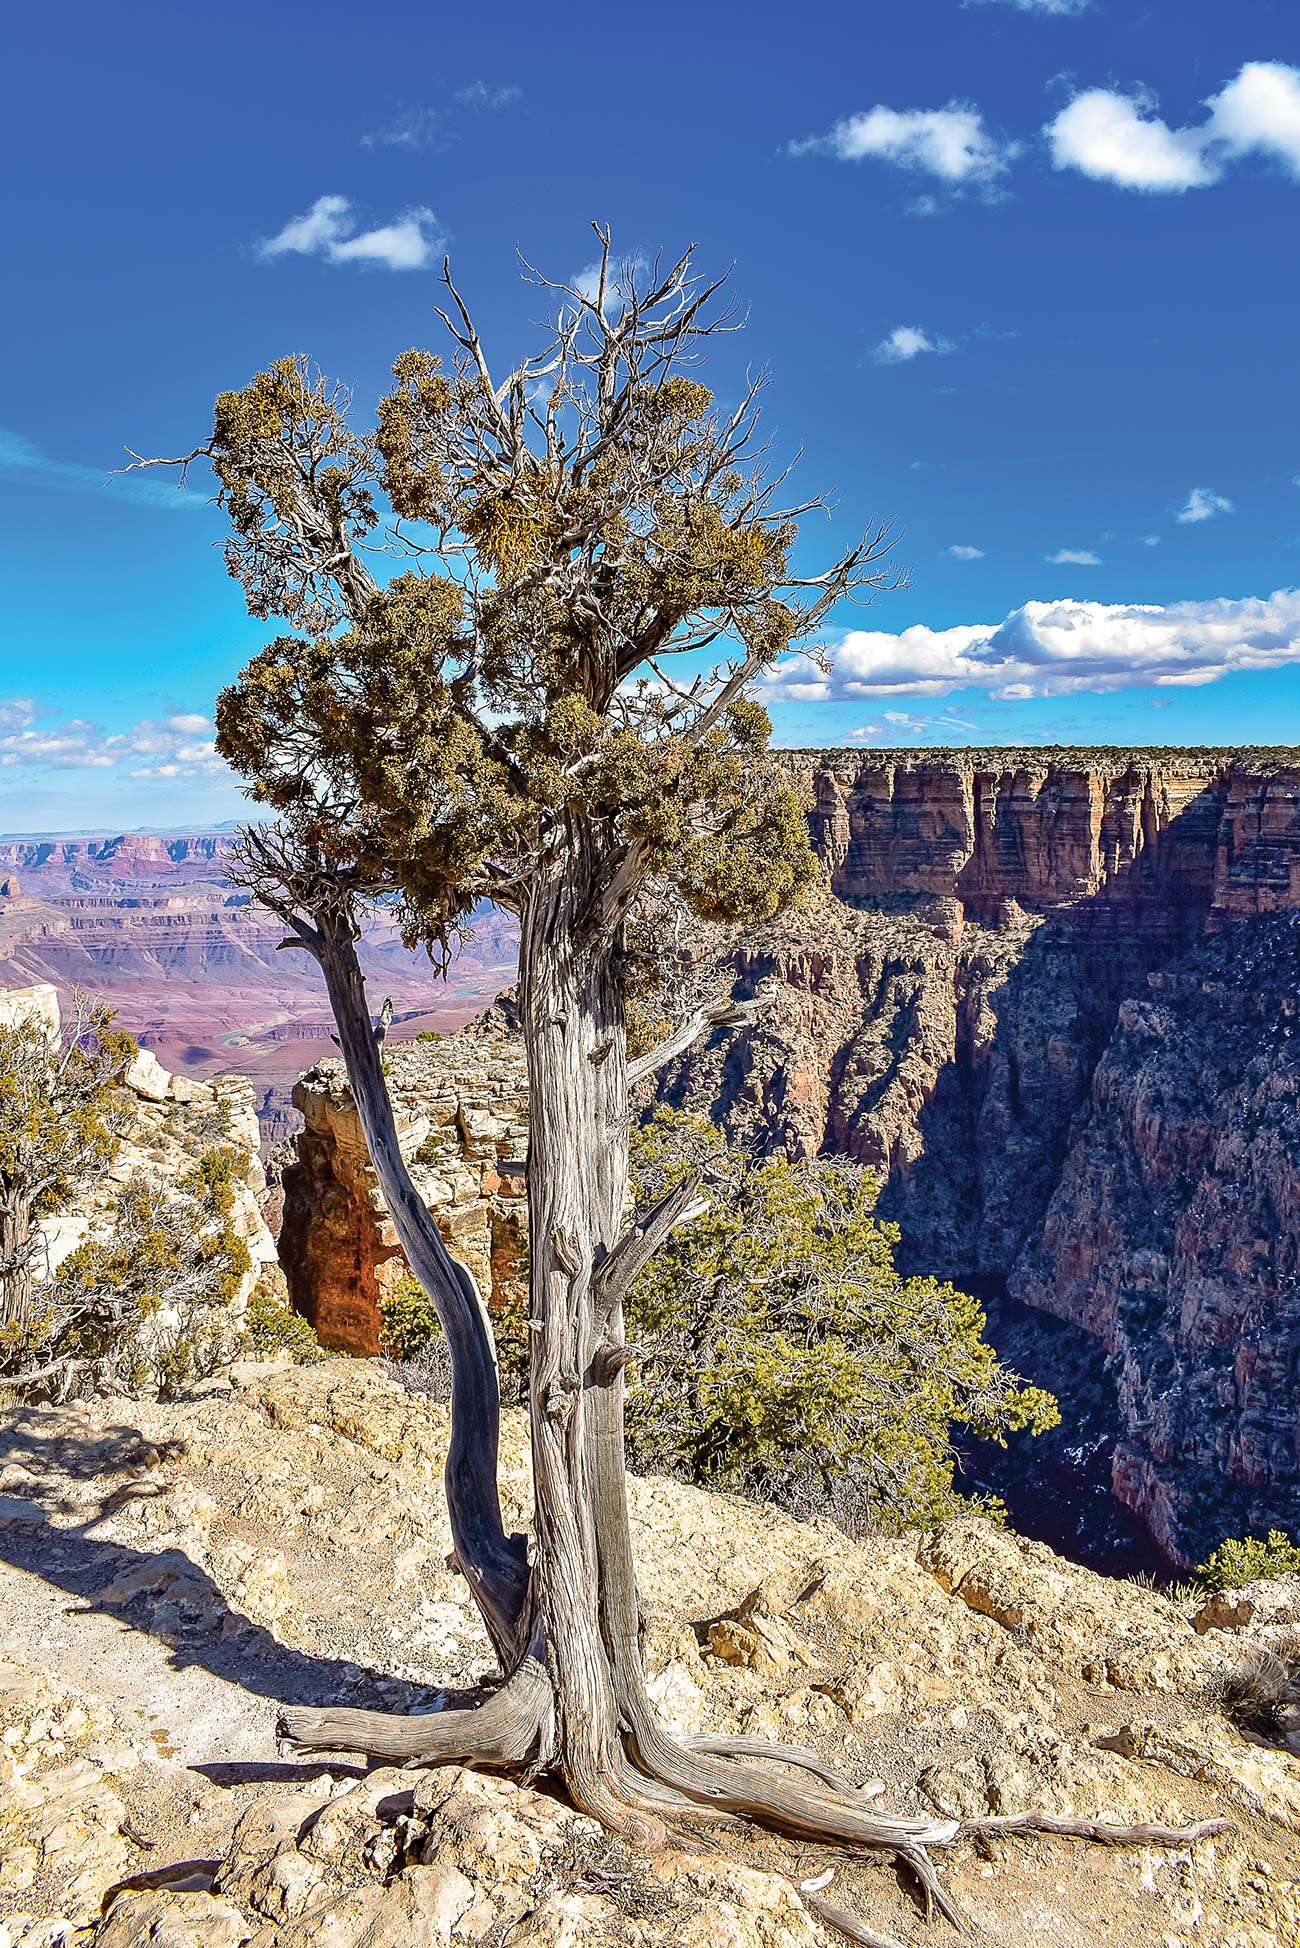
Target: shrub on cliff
(785,1355)
(146,1301)
(1248,1559)
(271,1328)
(60,1124)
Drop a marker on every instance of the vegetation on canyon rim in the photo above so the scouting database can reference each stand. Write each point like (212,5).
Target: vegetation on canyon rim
(144,1299)
(502,720)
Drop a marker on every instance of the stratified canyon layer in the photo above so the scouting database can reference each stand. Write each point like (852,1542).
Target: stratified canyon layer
(151,923)
(1049,997)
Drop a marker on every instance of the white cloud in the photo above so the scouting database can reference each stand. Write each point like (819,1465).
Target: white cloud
(1074,557)
(960,551)
(179,746)
(21,455)
(949,143)
(489,95)
(434,128)
(1151,540)
(1118,139)
(1050,649)
(328,229)
(1259,113)
(1061,7)
(1203,504)
(906,342)
(618,278)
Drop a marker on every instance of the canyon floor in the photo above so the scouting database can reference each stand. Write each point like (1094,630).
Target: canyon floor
(168,1571)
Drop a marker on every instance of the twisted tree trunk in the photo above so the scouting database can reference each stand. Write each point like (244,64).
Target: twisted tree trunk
(574,1698)
(494,1563)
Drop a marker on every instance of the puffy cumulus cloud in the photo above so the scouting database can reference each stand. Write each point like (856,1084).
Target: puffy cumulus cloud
(1074,558)
(1119,138)
(951,144)
(962,551)
(1202,504)
(329,230)
(906,342)
(21,455)
(1259,114)
(177,746)
(1053,649)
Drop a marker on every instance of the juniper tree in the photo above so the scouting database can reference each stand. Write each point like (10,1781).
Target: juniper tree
(59,1129)
(546,707)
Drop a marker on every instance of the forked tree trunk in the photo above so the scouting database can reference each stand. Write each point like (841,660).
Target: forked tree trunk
(493,1563)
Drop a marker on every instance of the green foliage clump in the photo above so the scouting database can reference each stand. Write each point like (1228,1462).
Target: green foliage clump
(146,1299)
(787,1358)
(411,1329)
(1248,1559)
(271,1327)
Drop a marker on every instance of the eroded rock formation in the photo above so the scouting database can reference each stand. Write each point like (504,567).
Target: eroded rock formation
(282,1534)
(462,1124)
(988,927)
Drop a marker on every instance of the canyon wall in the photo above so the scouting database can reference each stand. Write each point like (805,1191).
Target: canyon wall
(966,1006)
(963,1009)
(459,1103)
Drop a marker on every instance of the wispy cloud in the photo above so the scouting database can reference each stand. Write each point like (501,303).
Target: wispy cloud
(1151,540)
(427,127)
(907,342)
(177,746)
(21,455)
(962,551)
(1074,558)
(1120,138)
(329,230)
(1202,504)
(1059,7)
(950,144)
(1050,649)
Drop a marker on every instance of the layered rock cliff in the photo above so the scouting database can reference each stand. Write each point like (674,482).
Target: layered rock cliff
(462,1126)
(954,1009)
(957,1011)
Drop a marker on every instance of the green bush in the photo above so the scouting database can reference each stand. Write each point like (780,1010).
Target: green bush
(786,1358)
(1247,1559)
(410,1326)
(271,1327)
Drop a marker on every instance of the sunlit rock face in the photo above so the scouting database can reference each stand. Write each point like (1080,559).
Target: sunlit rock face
(1004,968)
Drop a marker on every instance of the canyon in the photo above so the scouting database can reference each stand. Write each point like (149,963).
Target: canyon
(151,923)
(1049,998)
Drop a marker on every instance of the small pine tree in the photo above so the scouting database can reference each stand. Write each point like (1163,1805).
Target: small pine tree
(785,1355)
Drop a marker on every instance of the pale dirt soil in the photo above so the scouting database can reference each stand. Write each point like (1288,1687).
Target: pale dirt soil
(280,1536)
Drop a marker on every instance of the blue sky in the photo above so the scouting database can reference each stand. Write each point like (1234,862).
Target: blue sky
(1026,274)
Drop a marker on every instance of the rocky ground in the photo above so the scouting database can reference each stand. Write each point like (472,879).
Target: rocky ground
(167,1572)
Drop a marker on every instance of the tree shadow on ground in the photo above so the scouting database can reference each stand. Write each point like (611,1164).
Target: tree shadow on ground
(163,1594)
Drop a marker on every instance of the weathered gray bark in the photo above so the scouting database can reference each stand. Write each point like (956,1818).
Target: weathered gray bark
(575,1699)
(494,1564)
(15,1256)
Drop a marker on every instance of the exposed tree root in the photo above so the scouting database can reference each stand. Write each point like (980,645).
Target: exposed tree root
(1141,1835)
(844,1923)
(724,1747)
(505,1730)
